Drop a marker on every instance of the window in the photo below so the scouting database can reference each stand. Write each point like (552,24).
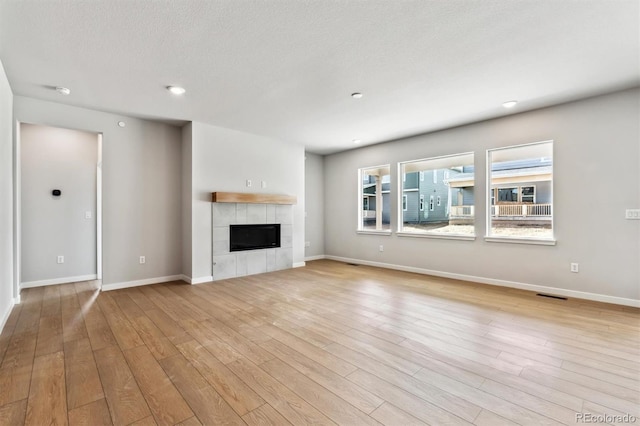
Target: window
(449,184)
(520,194)
(374,187)
(528,194)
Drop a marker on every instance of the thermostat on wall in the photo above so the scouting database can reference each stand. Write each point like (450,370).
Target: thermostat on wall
(56,192)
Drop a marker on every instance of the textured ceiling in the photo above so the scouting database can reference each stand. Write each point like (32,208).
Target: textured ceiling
(286,68)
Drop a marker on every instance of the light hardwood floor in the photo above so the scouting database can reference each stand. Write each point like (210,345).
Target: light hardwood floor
(330,343)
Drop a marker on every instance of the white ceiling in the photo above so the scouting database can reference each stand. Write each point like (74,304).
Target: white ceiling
(286,68)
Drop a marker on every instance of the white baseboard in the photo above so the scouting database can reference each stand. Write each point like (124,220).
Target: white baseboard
(198,280)
(42,283)
(5,316)
(17,300)
(138,283)
(298,264)
(502,283)
(318,257)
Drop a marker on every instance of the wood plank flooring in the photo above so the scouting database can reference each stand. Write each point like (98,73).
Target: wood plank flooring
(326,344)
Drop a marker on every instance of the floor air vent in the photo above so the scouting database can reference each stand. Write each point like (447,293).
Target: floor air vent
(551,296)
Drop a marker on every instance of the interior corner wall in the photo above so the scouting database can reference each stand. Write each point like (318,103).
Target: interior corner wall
(64,159)
(596,177)
(314,205)
(7,292)
(223,160)
(187,183)
(141,213)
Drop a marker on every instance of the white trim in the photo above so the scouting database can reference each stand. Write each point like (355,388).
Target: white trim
(201,280)
(64,280)
(299,264)
(99,210)
(501,283)
(5,317)
(137,283)
(437,236)
(515,240)
(318,257)
(362,231)
(17,300)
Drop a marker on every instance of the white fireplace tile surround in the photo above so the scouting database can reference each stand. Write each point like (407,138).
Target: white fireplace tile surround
(227,264)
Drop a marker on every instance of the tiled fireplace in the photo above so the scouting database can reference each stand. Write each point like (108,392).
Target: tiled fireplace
(230,264)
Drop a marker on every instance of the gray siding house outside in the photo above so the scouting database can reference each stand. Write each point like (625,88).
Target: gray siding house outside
(435,196)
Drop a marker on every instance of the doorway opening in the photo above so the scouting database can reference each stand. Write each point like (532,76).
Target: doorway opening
(58,205)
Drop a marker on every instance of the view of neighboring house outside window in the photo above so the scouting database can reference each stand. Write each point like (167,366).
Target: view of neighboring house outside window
(374,207)
(520,196)
(435,205)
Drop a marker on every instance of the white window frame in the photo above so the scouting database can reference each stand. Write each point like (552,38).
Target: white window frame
(517,240)
(360,225)
(435,175)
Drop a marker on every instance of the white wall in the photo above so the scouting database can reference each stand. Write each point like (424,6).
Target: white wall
(141,188)
(314,204)
(6,198)
(222,160)
(596,177)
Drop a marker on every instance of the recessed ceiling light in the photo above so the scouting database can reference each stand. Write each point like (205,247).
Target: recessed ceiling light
(63,90)
(121,124)
(176,90)
(356,141)
(509,104)
(356,95)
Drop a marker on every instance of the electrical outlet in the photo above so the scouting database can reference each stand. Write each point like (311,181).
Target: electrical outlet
(143,260)
(87,215)
(381,248)
(575,267)
(60,259)
(248,182)
(632,214)
(264,184)
(307,244)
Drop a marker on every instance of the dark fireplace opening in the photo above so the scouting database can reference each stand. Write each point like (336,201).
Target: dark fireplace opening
(252,237)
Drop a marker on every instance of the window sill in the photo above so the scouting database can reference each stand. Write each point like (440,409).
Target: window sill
(534,241)
(437,236)
(373,232)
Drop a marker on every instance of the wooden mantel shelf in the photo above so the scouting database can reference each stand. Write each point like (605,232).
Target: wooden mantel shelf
(242,197)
